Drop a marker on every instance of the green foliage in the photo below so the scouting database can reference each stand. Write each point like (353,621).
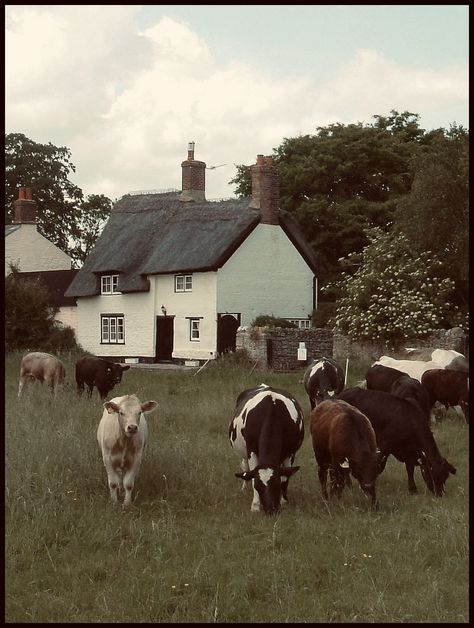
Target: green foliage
(435,214)
(190,550)
(342,180)
(63,215)
(268,320)
(393,295)
(29,319)
(323,314)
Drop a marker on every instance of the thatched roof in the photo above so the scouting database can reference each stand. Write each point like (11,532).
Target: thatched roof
(150,234)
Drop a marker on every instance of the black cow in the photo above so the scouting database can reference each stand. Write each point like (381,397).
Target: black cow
(449,387)
(99,372)
(398,383)
(266,431)
(401,429)
(323,379)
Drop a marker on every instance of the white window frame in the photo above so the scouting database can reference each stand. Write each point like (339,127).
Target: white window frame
(108,284)
(183,283)
(302,323)
(195,329)
(112,329)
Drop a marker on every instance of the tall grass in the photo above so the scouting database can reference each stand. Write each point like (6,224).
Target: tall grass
(190,550)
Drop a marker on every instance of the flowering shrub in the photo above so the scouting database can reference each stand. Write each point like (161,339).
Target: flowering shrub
(394,294)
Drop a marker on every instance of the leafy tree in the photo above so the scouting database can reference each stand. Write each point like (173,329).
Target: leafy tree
(342,180)
(435,214)
(393,295)
(63,215)
(29,319)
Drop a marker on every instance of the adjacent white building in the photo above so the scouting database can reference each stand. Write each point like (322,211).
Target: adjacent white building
(172,276)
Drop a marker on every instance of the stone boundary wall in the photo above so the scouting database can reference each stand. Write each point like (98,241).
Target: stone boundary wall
(277,347)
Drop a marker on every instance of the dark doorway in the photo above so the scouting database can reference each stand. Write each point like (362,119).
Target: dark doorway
(227,325)
(164,337)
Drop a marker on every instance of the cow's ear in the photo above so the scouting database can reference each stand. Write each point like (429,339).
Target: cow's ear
(126,367)
(111,407)
(246,475)
(287,471)
(148,406)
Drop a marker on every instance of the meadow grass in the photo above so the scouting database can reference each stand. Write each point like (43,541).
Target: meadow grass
(190,550)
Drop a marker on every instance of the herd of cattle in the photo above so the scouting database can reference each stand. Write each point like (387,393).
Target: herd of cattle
(353,430)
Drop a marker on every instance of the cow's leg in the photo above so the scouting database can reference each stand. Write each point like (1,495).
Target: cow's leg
(129,483)
(337,478)
(253,462)
(410,467)
(89,390)
(22,381)
(113,479)
(80,388)
(284,481)
(322,474)
(244,465)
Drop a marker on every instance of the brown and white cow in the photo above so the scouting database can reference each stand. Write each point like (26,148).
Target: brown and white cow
(42,367)
(122,435)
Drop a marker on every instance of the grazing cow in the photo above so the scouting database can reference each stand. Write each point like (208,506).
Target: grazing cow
(451,388)
(402,430)
(122,435)
(342,435)
(266,431)
(413,368)
(99,372)
(43,367)
(323,379)
(400,384)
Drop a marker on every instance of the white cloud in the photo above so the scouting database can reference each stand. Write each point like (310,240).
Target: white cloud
(126,102)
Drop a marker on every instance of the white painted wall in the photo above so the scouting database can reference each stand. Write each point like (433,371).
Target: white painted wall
(33,252)
(68,316)
(266,275)
(139,315)
(201,302)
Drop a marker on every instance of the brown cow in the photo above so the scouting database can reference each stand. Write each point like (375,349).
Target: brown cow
(343,436)
(43,367)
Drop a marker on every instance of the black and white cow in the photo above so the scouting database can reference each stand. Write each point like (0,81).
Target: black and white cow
(323,379)
(266,431)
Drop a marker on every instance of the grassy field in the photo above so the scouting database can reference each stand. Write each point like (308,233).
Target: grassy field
(190,550)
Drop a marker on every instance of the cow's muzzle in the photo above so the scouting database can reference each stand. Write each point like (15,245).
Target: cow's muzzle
(132,429)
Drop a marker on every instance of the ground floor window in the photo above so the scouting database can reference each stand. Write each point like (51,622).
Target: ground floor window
(112,329)
(301,323)
(195,329)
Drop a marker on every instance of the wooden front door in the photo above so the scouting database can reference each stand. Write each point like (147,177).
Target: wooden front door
(164,337)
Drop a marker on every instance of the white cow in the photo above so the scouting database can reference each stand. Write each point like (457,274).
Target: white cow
(122,435)
(42,367)
(413,368)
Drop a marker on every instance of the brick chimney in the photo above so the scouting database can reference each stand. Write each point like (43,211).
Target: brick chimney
(194,178)
(265,190)
(25,207)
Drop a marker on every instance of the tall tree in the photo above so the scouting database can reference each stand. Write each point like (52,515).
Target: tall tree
(434,216)
(63,215)
(342,180)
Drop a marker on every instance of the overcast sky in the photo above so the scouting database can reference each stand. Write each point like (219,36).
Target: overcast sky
(126,87)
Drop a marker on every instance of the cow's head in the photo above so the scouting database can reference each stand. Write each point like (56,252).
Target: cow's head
(267,483)
(129,412)
(440,470)
(114,372)
(365,468)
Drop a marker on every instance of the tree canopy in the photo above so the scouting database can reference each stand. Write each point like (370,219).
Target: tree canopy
(64,216)
(343,181)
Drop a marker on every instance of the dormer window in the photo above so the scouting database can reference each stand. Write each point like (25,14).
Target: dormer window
(183,283)
(108,284)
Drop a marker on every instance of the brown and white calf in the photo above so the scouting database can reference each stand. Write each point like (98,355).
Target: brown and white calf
(122,435)
(42,367)
(341,436)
